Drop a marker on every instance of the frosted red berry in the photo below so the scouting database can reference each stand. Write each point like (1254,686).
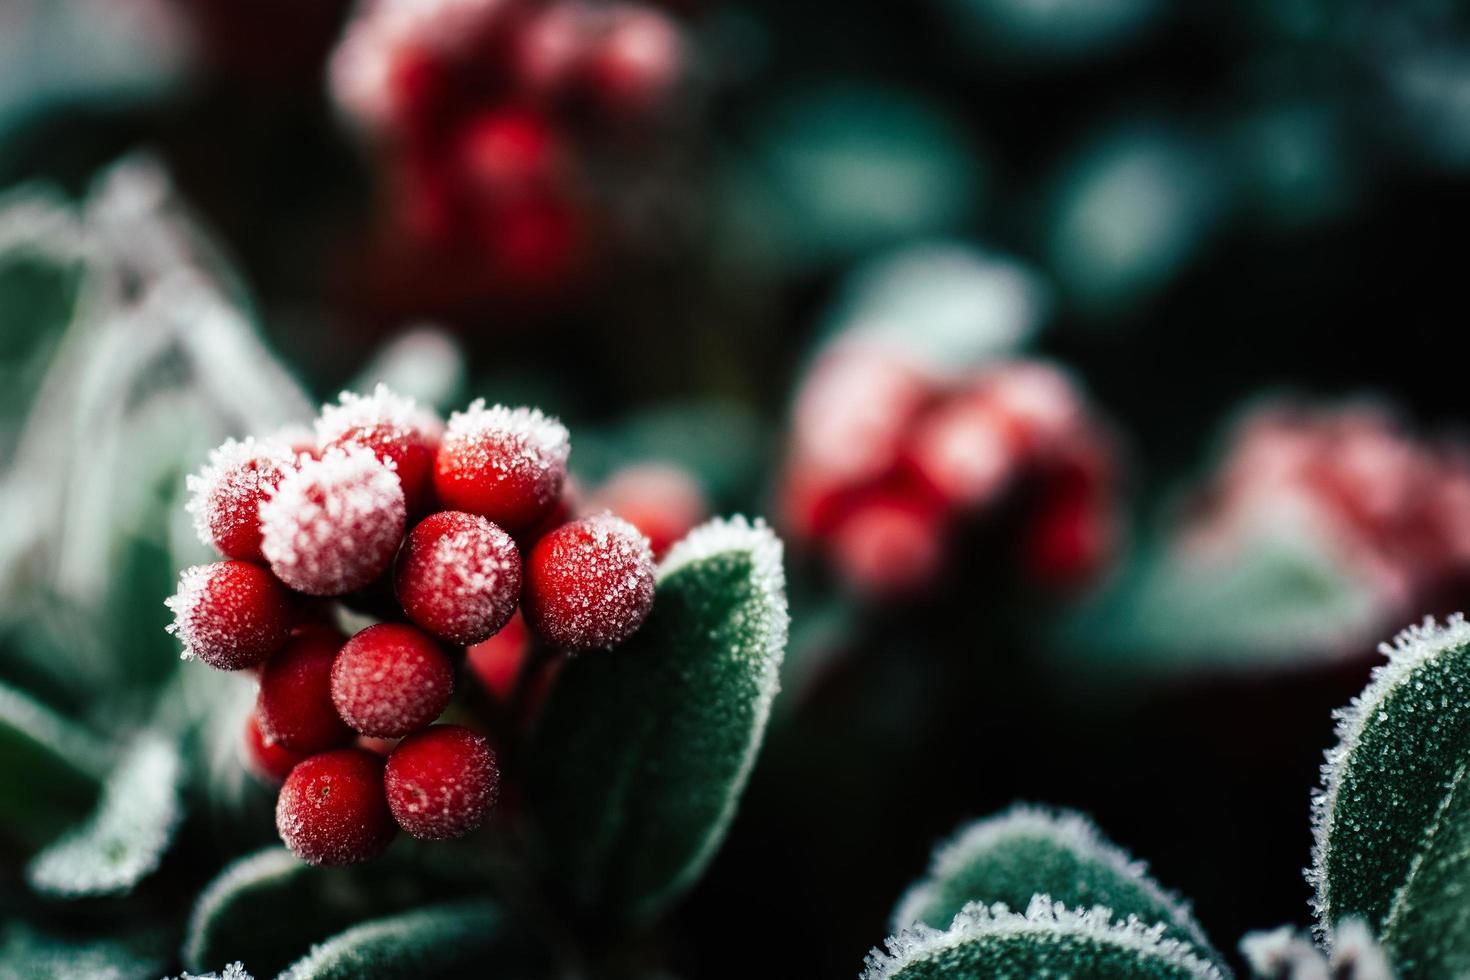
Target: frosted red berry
(225,497)
(458,577)
(504,464)
(294,703)
(334,524)
(391,680)
(589,583)
(333,810)
(271,762)
(660,499)
(393,427)
(442,782)
(231,614)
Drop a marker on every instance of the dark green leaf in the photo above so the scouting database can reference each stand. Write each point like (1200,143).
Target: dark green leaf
(644,750)
(26,953)
(54,768)
(441,941)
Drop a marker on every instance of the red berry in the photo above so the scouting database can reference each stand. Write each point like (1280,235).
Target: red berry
(505,152)
(459,577)
(333,525)
(637,62)
(332,809)
(890,543)
(589,584)
(496,662)
(390,680)
(294,704)
(226,495)
(504,464)
(230,614)
(393,427)
(966,449)
(271,762)
(661,500)
(442,782)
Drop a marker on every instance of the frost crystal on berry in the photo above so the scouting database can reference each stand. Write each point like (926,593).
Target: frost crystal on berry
(441,782)
(459,577)
(230,614)
(590,583)
(397,428)
(333,525)
(225,496)
(507,464)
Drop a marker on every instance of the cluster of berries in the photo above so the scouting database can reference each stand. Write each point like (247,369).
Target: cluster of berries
(387,500)
(885,458)
(501,129)
(1387,509)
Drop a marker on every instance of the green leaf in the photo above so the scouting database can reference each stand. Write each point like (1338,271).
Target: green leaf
(125,838)
(24,952)
(439,941)
(269,907)
(1027,851)
(1392,821)
(1049,940)
(59,764)
(644,750)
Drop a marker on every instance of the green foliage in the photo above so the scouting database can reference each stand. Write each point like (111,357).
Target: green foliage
(645,750)
(438,941)
(1025,851)
(125,838)
(1049,940)
(25,952)
(1392,821)
(55,766)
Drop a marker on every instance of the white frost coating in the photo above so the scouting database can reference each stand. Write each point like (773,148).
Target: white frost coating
(1066,828)
(545,441)
(772,620)
(397,415)
(270,865)
(334,523)
(1410,650)
(1044,918)
(1291,955)
(223,461)
(193,582)
(233,971)
(124,839)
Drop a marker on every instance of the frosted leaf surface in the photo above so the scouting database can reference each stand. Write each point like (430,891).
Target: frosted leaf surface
(643,753)
(1392,820)
(1048,940)
(333,524)
(232,971)
(425,942)
(125,838)
(26,953)
(1029,850)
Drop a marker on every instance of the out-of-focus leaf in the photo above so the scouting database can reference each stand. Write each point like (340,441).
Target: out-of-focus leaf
(52,767)
(839,171)
(1049,940)
(125,838)
(1031,31)
(1392,820)
(440,941)
(26,953)
(423,363)
(1027,851)
(644,750)
(944,305)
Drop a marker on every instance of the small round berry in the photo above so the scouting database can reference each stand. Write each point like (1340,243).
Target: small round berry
(504,464)
(396,429)
(459,577)
(225,496)
(230,614)
(294,703)
(496,662)
(269,762)
(332,808)
(390,680)
(890,543)
(589,584)
(660,499)
(637,62)
(442,782)
(333,525)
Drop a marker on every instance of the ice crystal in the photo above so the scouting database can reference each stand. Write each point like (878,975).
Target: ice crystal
(228,490)
(394,416)
(539,442)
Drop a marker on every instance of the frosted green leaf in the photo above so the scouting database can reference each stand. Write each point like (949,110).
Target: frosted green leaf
(60,764)
(1392,820)
(125,838)
(25,952)
(1028,850)
(438,941)
(1049,940)
(645,750)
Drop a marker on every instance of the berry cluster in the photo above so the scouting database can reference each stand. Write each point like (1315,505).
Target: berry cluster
(885,459)
(464,525)
(502,130)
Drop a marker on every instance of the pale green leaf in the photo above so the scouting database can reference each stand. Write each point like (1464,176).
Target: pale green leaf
(1049,940)
(436,942)
(25,953)
(645,750)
